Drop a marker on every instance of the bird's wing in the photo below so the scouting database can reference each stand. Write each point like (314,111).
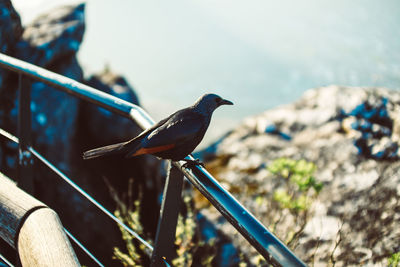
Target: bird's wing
(182,126)
(149,130)
(135,144)
(179,127)
(129,146)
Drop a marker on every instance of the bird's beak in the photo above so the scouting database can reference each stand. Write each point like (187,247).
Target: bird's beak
(225,102)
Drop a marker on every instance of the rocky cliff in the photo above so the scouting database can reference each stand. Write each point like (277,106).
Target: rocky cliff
(348,138)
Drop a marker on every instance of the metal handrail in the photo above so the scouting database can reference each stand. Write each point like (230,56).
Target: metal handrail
(3,259)
(79,244)
(266,243)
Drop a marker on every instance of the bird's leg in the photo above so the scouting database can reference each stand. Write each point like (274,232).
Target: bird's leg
(191,163)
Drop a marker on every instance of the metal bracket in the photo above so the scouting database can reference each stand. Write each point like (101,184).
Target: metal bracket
(25,158)
(25,170)
(166,228)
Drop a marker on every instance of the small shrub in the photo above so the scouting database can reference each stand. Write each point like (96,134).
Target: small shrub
(300,185)
(188,242)
(134,249)
(295,193)
(394,260)
(299,172)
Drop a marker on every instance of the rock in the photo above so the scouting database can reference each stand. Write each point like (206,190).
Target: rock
(272,129)
(11,28)
(374,120)
(98,119)
(10,32)
(51,41)
(55,114)
(54,126)
(351,135)
(324,228)
(226,253)
(52,36)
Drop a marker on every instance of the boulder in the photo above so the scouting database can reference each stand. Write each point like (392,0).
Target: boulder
(10,31)
(52,36)
(98,119)
(51,41)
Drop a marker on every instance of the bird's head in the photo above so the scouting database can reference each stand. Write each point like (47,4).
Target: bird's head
(209,102)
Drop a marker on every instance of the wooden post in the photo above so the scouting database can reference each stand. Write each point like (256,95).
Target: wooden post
(33,229)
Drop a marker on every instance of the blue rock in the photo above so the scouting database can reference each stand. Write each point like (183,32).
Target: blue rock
(272,129)
(227,254)
(374,123)
(52,36)
(10,32)
(10,26)
(101,120)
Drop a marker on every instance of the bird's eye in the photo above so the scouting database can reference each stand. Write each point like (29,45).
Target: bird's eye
(218,100)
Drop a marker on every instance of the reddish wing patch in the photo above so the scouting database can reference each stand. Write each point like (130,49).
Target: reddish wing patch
(151,150)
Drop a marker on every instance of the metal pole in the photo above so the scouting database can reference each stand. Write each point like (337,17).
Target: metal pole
(166,228)
(25,159)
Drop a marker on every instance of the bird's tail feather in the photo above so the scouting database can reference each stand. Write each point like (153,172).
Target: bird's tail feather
(105,150)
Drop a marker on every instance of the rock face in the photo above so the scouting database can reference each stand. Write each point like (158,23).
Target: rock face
(54,114)
(351,135)
(10,33)
(52,36)
(64,126)
(10,30)
(98,119)
(52,41)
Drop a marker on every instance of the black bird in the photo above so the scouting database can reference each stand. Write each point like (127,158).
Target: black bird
(172,138)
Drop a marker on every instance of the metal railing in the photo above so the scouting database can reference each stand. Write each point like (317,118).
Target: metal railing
(76,241)
(5,261)
(265,242)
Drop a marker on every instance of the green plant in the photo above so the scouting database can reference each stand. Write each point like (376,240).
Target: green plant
(301,185)
(296,189)
(131,217)
(189,246)
(188,242)
(394,260)
(299,172)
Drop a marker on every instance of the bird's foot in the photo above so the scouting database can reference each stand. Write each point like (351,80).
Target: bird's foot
(191,163)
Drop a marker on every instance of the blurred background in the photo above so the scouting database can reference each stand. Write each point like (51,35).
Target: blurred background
(259,54)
